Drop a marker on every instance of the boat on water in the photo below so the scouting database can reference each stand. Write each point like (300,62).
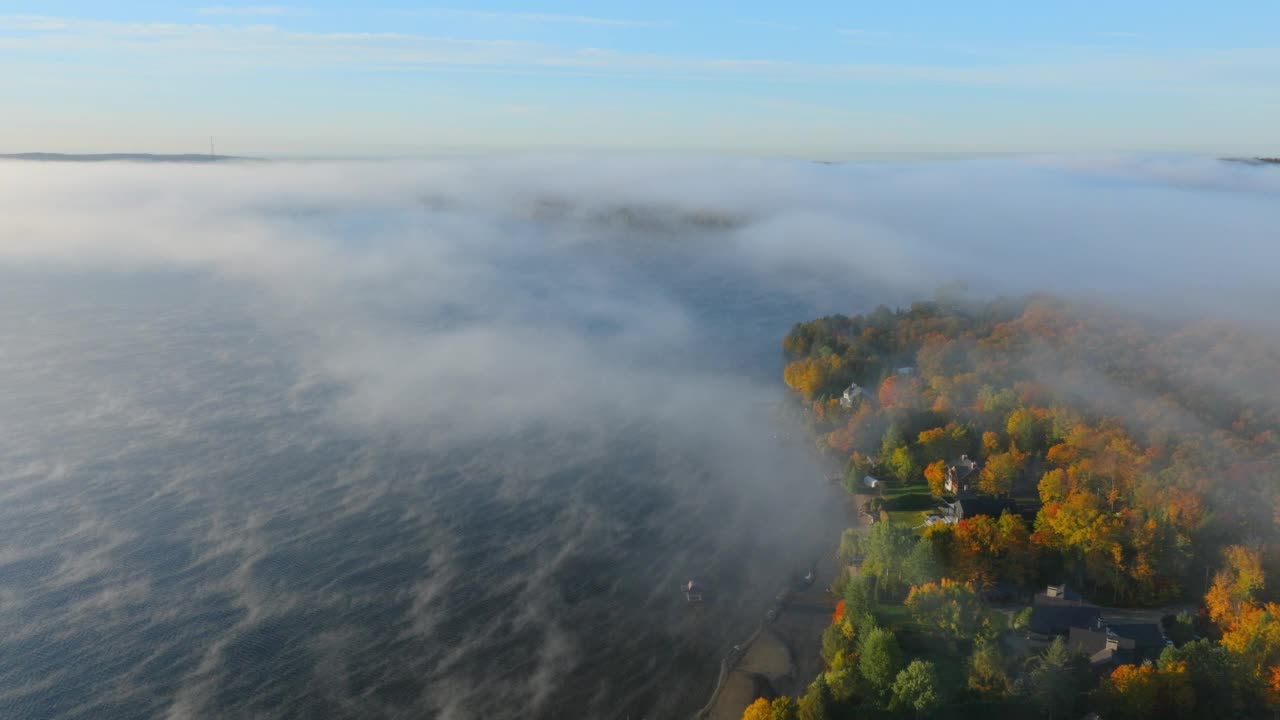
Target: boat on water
(693,592)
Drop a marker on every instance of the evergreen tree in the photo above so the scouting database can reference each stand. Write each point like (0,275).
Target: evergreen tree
(1057,678)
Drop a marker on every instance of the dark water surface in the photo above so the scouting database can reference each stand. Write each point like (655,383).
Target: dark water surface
(186,530)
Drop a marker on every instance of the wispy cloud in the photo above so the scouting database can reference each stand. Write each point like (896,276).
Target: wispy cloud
(195,47)
(530,17)
(250,10)
(31,23)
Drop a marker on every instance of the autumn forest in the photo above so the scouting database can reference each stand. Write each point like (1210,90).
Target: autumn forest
(1000,448)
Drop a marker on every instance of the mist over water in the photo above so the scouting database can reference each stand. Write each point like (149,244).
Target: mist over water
(444,438)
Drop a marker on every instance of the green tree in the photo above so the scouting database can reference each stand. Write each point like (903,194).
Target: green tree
(902,464)
(1026,430)
(857,468)
(837,639)
(860,599)
(892,440)
(1056,679)
(945,443)
(888,545)
(997,404)
(916,688)
(1179,628)
(1219,686)
(817,701)
(784,708)
(880,659)
(988,675)
(1022,619)
(950,608)
(922,565)
(842,676)
(851,542)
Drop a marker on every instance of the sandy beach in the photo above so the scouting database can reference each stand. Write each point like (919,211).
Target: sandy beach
(784,655)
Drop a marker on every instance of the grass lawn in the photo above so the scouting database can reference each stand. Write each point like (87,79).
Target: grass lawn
(907,497)
(894,617)
(906,518)
(999,620)
(906,504)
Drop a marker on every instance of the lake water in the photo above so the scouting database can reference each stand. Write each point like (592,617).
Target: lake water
(202,516)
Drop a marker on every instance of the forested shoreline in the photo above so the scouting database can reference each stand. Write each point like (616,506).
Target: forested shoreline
(1011,445)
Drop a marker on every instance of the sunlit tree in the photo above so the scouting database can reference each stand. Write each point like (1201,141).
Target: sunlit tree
(916,688)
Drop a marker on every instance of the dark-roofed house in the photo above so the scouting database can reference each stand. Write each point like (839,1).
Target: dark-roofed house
(1050,620)
(1147,638)
(1102,647)
(1058,609)
(974,505)
(1110,645)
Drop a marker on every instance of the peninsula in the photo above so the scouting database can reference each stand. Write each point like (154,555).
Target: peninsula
(1072,512)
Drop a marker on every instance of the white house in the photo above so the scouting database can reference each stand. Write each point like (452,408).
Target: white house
(958,475)
(870,482)
(851,394)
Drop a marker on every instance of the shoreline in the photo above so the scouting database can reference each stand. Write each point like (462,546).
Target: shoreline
(783,651)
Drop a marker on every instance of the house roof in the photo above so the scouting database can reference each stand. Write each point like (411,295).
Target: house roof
(1116,656)
(1144,636)
(1056,619)
(983,505)
(1133,641)
(1090,641)
(1064,596)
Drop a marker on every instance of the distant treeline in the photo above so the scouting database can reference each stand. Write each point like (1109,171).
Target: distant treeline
(1256,160)
(119,157)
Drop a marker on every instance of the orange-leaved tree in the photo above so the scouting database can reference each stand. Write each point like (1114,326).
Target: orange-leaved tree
(1235,585)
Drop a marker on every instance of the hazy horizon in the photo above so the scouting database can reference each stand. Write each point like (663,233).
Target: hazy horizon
(820,80)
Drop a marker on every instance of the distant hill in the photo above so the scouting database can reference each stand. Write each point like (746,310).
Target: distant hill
(1255,160)
(119,157)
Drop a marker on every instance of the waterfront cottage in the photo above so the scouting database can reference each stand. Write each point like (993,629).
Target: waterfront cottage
(851,394)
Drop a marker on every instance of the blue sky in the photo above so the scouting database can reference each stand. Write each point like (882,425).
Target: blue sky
(817,78)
